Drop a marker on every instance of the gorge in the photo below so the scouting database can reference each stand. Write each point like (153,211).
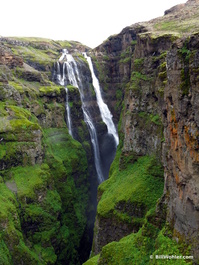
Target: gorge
(71,190)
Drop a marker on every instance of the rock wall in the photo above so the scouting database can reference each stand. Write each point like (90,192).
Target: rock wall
(159,118)
(180,152)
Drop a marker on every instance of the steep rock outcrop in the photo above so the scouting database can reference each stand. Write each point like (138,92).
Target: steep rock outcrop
(114,57)
(181,157)
(159,118)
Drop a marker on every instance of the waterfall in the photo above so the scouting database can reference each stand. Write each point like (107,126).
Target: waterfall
(68,114)
(104,110)
(74,79)
(61,77)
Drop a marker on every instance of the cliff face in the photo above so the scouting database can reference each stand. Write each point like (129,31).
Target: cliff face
(181,156)
(155,68)
(43,171)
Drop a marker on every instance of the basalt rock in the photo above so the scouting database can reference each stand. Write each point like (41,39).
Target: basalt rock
(181,147)
(157,74)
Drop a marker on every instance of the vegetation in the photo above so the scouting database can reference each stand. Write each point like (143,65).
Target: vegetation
(141,183)
(44,193)
(146,187)
(44,172)
(185,77)
(140,248)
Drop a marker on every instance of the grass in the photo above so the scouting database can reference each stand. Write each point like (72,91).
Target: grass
(17,123)
(178,26)
(136,184)
(52,200)
(93,261)
(47,90)
(29,180)
(67,162)
(7,202)
(139,249)
(35,55)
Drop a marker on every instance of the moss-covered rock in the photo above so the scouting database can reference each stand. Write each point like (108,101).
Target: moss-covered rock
(44,184)
(125,197)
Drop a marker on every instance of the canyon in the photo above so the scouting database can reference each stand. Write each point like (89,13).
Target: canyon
(54,207)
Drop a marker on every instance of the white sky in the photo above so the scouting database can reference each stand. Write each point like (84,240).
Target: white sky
(87,21)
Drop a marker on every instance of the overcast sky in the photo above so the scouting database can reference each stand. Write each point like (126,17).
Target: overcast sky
(87,21)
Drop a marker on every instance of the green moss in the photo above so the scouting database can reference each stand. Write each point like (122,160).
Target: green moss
(7,203)
(72,88)
(65,44)
(138,76)
(150,118)
(125,60)
(29,180)
(49,90)
(29,53)
(92,261)
(136,80)
(49,256)
(12,153)
(133,42)
(22,252)
(138,64)
(17,86)
(67,161)
(126,53)
(10,235)
(146,186)
(5,257)
(141,248)
(20,124)
(185,76)
(53,200)
(163,55)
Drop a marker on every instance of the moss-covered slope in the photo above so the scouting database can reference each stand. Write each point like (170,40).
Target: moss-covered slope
(43,171)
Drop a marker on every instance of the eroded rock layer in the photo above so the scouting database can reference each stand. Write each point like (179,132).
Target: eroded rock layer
(153,69)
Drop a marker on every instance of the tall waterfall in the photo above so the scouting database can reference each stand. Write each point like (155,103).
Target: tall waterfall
(71,70)
(104,110)
(61,81)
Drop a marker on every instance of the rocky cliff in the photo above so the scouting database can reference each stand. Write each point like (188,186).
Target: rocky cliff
(151,68)
(44,173)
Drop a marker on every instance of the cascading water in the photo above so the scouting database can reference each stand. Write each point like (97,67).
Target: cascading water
(74,79)
(104,110)
(94,110)
(68,114)
(61,81)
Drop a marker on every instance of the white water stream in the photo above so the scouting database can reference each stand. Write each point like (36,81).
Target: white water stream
(75,80)
(68,114)
(104,110)
(61,80)
(68,73)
